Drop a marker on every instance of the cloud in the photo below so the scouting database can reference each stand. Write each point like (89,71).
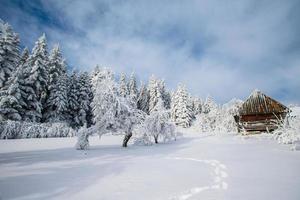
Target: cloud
(222,48)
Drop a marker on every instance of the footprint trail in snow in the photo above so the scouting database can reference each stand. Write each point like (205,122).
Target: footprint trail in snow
(219,171)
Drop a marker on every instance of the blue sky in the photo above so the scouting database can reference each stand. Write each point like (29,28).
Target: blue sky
(222,48)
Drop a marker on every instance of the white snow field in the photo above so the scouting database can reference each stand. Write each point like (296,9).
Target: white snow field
(194,167)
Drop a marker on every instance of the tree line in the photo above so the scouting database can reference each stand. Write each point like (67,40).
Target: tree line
(37,89)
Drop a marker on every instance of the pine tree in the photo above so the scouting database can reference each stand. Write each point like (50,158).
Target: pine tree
(197,104)
(191,106)
(132,88)
(57,102)
(209,104)
(21,64)
(12,101)
(180,111)
(84,99)
(56,66)
(143,99)
(19,100)
(38,75)
(154,93)
(33,109)
(9,53)
(57,99)
(73,104)
(123,89)
(166,97)
(24,57)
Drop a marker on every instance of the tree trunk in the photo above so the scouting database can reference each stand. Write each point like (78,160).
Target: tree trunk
(126,139)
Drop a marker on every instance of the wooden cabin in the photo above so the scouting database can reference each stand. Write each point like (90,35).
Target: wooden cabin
(260,113)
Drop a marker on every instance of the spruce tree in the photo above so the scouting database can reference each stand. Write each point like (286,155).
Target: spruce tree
(165,95)
(73,103)
(19,100)
(123,89)
(24,57)
(38,75)
(13,100)
(9,53)
(57,100)
(180,111)
(84,100)
(143,99)
(209,104)
(197,102)
(56,66)
(57,103)
(132,88)
(154,93)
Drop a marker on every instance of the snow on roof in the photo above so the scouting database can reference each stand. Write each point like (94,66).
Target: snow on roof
(259,103)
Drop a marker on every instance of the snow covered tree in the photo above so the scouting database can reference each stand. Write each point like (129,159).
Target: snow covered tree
(24,57)
(112,113)
(190,105)
(83,139)
(143,99)
(132,88)
(21,64)
(57,102)
(56,66)
(95,71)
(180,111)
(165,95)
(211,118)
(9,52)
(38,75)
(154,93)
(197,102)
(209,104)
(123,88)
(219,119)
(105,92)
(73,104)
(19,100)
(225,119)
(288,131)
(12,101)
(157,123)
(85,99)
(57,98)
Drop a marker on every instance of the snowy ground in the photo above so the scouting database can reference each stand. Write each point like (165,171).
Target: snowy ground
(194,167)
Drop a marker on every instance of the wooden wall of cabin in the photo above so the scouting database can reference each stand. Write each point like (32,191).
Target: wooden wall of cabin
(262,117)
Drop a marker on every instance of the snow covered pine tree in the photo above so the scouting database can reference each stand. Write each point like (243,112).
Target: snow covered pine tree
(132,88)
(143,99)
(38,77)
(9,52)
(57,99)
(180,111)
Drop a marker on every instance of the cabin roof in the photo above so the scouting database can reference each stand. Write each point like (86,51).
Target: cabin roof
(259,103)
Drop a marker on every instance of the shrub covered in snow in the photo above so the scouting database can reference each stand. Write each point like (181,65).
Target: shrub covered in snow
(83,139)
(289,130)
(218,119)
(16,129)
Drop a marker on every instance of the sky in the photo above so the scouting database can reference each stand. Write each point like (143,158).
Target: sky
(222,48)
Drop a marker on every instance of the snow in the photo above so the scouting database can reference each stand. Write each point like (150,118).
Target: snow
(196,166)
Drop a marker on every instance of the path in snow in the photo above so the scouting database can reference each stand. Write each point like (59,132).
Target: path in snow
(219,178)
